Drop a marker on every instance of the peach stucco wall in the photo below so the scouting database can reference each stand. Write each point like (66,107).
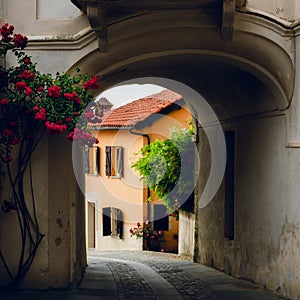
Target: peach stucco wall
(128,193)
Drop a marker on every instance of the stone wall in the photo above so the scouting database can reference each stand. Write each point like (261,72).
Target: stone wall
(266,206)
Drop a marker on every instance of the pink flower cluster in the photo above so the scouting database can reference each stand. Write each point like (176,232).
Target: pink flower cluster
(137,231)
(145,230)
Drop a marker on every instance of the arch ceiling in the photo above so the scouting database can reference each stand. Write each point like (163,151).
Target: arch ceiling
(247,72)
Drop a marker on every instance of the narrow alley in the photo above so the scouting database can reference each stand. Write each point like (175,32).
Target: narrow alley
(151,275)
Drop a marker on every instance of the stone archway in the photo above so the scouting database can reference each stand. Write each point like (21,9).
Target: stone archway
(249,83)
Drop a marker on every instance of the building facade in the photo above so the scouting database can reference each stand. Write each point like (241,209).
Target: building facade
(117,197)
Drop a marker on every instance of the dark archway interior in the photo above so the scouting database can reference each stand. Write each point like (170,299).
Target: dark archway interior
(232,91)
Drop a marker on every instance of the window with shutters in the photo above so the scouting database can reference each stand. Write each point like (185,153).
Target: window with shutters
(114,161)
(92,156)
(112,222)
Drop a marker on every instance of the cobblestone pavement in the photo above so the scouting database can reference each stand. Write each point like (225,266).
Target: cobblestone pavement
(149,275)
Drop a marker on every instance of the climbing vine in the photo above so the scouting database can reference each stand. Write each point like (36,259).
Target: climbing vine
(32,103)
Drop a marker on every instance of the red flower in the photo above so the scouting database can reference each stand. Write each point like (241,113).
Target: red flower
(68,120)
(36,108)
(7,132)
(7,159)
(40,89)
(20,41)
(27,60)
(70,136)
(54,91)
(72,97)
(91,84)
(28,91)
(4,101)
(21,85)
(26,75)
(15,141)
(6,32)
(41,115)
(55,128)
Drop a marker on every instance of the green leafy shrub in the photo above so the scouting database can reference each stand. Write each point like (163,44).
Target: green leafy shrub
(167,168)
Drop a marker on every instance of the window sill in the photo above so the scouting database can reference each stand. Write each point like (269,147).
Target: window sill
(94,175)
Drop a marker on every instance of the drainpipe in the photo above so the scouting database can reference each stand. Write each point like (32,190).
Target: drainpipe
(148,190)
(141,134)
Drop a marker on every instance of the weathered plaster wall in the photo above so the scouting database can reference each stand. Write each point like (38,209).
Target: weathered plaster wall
(60,259)
(286,10)
(66,220)
(265,248)
(186,236)
(10,239)
(67,251)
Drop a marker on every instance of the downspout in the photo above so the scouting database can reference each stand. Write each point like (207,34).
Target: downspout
(141,134)
(148,143)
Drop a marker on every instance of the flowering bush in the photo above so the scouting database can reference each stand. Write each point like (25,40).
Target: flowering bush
(154,238)
(32,103)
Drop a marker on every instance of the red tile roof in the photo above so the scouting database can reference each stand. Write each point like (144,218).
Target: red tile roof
(139,110)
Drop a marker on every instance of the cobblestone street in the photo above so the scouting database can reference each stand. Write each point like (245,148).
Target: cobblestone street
(151,275)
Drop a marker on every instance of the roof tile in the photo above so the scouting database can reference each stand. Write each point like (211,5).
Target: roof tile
(139,110)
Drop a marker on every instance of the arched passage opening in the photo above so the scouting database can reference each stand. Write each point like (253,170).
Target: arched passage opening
(248,83)
(237,91)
